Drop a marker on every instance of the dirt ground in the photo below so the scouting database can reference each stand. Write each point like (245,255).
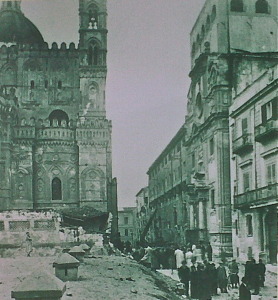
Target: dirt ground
(100,278)
(113,278)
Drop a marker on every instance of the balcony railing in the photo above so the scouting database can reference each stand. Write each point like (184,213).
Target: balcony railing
(242,144)
(266,131)
(24,132)
(58,133)
(258,196)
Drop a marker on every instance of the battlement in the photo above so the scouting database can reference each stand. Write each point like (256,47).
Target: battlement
(13,48)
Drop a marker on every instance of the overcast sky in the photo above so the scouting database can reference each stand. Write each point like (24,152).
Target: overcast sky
(147,83)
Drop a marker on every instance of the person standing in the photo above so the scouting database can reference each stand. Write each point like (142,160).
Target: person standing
(233,269)
(209,251)
(244,293)
(194,288)
(184,276)
(188,257)
(179,255)
(222,278)
(255,278)
(29,244)
(261,271)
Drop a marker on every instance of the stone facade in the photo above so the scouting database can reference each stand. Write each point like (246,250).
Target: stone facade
(126,224)
(55,146)
(189,183)
(142,213)
(254,136)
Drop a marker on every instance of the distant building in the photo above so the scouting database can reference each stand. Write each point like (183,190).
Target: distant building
(55,140)
(254,165)
(189,183)
(142,214)
(126,224)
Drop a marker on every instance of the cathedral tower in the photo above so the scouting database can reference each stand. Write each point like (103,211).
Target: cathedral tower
(93,46)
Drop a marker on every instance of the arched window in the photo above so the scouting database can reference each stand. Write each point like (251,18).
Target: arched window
(237,5)
(213,13)
(93,54)
(203,31)
(56,189)
(58,118)
(262,7)
(193,49)
(59,84)
(208,23)
(93,13)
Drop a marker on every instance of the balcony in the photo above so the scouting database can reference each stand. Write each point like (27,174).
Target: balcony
(267,131)
(262,195)
(242,144)
(24,132)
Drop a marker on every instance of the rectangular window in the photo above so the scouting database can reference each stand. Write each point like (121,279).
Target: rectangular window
(271,173)
(193,160)
(126,232)
(269,110)
(244,126)
(32,84)
(249,225)
(212,198)
(2,227)
(46,84)
(126,220)
(211,146)
(236,226)
(246,182)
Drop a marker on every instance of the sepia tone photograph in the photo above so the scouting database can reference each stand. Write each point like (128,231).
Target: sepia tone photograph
(138,149)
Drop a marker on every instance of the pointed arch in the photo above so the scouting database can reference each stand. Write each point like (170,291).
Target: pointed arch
(93,53)
(56,188)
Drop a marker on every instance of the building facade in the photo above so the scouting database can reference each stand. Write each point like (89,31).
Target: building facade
(55,146)
(126,224)
(142,215)
(254,136)
(192,175)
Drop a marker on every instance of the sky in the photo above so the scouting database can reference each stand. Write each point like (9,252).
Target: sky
(147,83)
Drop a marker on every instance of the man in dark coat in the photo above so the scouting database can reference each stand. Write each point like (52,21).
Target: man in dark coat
(209,251)
(222,278)
(184,276)
(244,293)
(261,272)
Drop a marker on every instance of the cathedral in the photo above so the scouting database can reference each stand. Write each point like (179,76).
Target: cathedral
(55,140)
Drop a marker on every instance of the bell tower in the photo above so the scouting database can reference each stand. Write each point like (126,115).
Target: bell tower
(93,50)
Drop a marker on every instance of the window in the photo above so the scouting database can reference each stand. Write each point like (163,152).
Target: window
(208,23)
(32,84)
(212,198)
(126,232)
(193,160)
(175,217)
(244,126)
(46,84)
(93,54)
(269,110)
(246,182)
(213,13)
(59,84)
(236,226)
(56,189)
(211,146)
(249,225)
(237,5)
(126,220)
(262,7)
(271,173)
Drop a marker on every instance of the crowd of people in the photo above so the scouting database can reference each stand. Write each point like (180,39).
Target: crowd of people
(202,278)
